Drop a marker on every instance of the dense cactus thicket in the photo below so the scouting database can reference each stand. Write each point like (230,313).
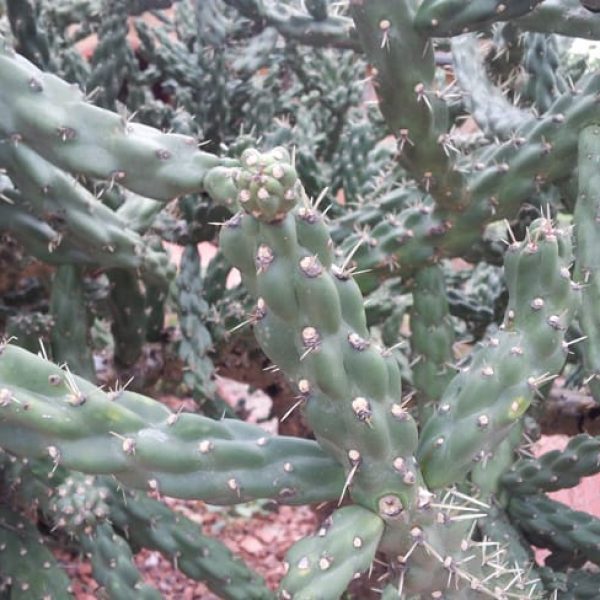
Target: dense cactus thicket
(410,192)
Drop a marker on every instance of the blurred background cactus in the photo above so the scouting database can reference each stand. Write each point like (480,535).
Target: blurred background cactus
(383,213)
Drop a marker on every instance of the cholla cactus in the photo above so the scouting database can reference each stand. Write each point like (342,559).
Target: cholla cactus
(426,466)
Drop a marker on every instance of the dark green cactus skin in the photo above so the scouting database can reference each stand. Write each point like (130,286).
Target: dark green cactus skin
(587,227)
(497,527)
(541,62)
(432,337)
(333,31)
(580,585)
(507,172)
(150,524)
(317,9)
(551,524)
(129,319)
(78,504)
(27,568)
(485,400)
(562,17)
(45,412)
(453,17)
(309,308)
(555,470)
(344,546)
(70,333)
(196,342)
(113,565)
(31,40)
(492,111)
(112,54)
(405,69)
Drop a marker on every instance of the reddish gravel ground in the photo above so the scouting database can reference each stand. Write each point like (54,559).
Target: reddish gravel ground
(261,541)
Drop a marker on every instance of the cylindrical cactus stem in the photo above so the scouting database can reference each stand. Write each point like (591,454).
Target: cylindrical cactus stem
(333,30)
(151,524)
(52,117)
(30,38)
(579,585)
(196,342)
(434,554)
(500,180)
(562,17)
(432,338)
(310,321)
(544,82)
(441,18)
(487,398)
(550,524)
(27,567)
(587,252)
(77,505)
(45,411)
(113,566)
(554,470)
(403,73)
(322,566)
(112,54)
(63,211)
(129,318)
(493,112)
(70,334)
(68,501)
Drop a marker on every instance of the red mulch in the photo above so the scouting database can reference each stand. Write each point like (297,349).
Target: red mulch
(261,540)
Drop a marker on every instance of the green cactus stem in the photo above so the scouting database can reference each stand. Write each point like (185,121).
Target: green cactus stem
(493,112)
(501,178)
(51,205)
(53,118)
(442,18)
(70,333)
(27,567)
(554,470)
(334,30)
(541,62)
(150,524)
(432,339)
(324,564)
(113,566)
(403,68)
(487,398)
(309,319)
(587,229)
(551,524)
(45,411)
